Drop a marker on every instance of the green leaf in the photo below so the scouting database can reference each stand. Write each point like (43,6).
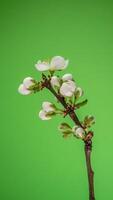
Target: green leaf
(65,128)
(88,121)
(78,105)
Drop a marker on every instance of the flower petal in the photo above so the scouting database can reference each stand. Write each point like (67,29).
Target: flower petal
(42,115)
(68,88)
(55,81)
(42,66)
(67,77)
(65,90)
(23,90)
(58,63)
(28,82)
(48,107)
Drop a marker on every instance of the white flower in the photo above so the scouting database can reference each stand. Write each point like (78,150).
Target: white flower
(68,88)
(67,77)
(28,82)
(24,87)
(55,81)
(78,132)
(43,115)
(22,90)
(56,63)
(42,66)
(48,107)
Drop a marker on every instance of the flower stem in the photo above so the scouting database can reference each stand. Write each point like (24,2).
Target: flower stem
(88,142)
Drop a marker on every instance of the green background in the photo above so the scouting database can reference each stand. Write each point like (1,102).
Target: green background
(36,162)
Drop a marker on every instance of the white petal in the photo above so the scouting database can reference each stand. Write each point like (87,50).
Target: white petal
(58,63)
(67,77)
(65,90)
(55,81)
(47,106)
(72,85)
(28,82)
(78,132)
(42,115)
(68,88)
(22,90)
(42,66)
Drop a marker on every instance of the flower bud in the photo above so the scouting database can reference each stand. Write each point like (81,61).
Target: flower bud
(28,82)
(78,132)
(79,92)
(55,81)
(43,115)
(48,107)
(23,90)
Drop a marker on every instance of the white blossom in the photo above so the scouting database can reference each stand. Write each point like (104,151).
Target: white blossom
(78,132)
(68,88)
(55,81)
(67,77)
(28,82)
(43,115)
(48,107)
(42,65)
(23,90)
(24,87)
(56,63)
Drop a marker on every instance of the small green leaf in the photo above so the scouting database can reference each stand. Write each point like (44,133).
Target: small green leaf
(65,128)
(78,105)
(88,121)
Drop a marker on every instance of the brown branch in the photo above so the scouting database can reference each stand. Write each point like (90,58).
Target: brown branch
(87,141)
(88,149)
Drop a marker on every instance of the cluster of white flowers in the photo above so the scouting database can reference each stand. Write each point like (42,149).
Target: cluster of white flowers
(67,86)
(56,63)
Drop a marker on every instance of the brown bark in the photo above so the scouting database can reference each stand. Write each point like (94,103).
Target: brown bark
(90,173)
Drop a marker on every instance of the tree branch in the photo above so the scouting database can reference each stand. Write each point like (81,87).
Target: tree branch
(87,141)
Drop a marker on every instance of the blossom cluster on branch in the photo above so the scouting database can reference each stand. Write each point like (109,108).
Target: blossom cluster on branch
(66,92)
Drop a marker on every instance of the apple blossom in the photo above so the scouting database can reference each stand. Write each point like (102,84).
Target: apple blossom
(68,88)
(56,63)
(61,88)
(24,88)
